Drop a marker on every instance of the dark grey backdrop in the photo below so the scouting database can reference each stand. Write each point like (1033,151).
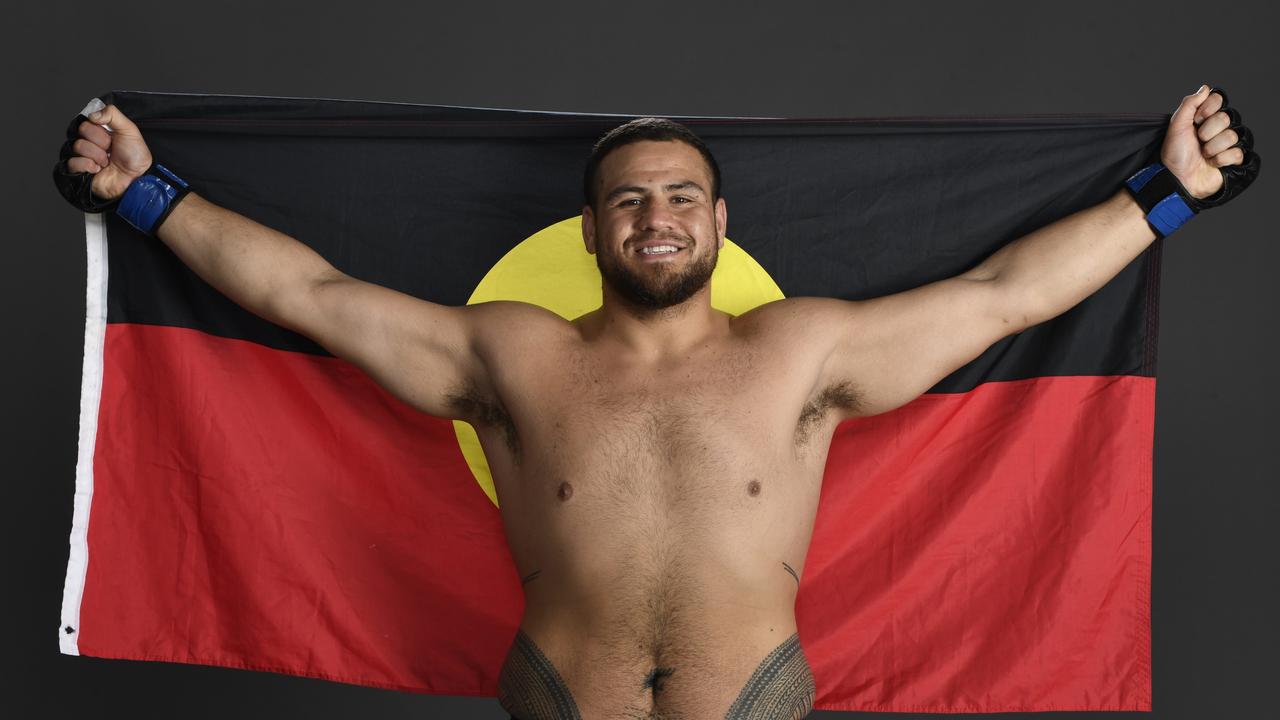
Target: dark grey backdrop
(1215,575)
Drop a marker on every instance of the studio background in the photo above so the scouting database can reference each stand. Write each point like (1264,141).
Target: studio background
(1215,575)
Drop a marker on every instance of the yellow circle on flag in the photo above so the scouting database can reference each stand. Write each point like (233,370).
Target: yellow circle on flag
(552,269)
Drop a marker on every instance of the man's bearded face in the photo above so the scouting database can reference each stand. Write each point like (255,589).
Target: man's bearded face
(662,285)
(656,229)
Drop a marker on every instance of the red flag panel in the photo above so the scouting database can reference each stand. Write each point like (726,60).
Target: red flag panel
(987,551)
(341,527)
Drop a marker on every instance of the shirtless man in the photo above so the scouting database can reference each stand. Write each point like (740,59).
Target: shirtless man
(659,461)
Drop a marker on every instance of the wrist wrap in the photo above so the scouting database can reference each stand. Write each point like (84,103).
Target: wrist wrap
(1162,198)
(151,197)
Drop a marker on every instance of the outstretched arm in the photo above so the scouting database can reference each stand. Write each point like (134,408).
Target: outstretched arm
(894,348)
(420,351)
(1049,271)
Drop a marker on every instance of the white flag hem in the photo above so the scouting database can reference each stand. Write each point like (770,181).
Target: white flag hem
(95,329)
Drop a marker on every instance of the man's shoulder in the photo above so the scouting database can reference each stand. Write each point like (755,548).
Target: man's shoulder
(503,328)
(794,313)
(506,311)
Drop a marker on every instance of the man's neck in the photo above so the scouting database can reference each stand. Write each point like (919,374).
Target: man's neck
(656,334)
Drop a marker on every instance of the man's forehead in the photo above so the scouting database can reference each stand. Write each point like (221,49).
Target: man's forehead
(653,161)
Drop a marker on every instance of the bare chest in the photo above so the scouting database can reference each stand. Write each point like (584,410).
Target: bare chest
(670,435)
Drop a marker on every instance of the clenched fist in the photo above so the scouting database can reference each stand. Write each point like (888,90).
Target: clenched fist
(1208,149)
(102,155)
(114,156)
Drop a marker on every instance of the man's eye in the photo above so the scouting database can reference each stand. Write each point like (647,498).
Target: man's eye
(680,199)
(630,201)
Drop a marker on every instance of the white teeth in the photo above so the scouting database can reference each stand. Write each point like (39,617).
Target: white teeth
(658,249)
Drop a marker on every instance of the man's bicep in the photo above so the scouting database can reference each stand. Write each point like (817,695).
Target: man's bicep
(894,348)
(419,351)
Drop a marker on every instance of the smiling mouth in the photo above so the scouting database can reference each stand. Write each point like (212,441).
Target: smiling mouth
(659,250)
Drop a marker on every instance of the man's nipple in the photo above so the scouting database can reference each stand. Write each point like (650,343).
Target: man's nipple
(753,488)
(565,492)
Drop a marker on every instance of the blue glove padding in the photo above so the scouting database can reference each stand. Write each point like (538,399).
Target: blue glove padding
(1161,197)
(151,197)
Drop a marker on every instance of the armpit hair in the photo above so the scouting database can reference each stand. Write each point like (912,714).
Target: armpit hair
(838,395)
(479,408)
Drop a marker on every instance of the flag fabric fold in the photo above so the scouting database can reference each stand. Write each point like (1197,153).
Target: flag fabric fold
(245,499)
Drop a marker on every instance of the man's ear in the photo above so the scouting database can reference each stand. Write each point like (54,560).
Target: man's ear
(722,220)
(589,229)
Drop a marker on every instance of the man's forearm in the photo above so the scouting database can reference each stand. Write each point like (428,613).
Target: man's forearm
(248,262)
(1049,271)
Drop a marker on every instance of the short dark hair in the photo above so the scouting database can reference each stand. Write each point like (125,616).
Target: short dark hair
(649,128)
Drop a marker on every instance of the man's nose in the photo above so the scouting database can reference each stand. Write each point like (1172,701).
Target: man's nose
(657,216)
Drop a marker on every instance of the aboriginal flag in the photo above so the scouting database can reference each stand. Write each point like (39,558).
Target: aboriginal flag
(245,499)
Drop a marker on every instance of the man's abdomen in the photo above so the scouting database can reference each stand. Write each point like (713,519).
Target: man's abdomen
(780,686)
(661,634)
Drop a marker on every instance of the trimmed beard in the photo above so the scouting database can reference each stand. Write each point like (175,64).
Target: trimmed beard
(662,289)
